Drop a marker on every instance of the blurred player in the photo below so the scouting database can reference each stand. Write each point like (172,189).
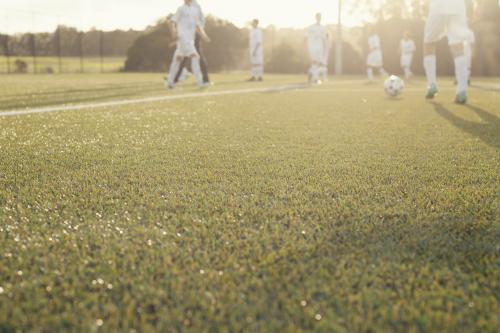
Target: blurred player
(446,18)
(317,42)
(469,52)
(199,49)
(407,48)
(374,60)
(323,70)
(256,52)
(186,24)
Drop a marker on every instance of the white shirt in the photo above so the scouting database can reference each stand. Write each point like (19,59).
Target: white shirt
(471,37)
(316,35)
(374,43)
(187,20)
(407,46)
(447,7)
(256,38)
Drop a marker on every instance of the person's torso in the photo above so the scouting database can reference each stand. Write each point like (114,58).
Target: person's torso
(187,21)
(374,43)
(316,34)
(255,37)
(407,46)
(447,7)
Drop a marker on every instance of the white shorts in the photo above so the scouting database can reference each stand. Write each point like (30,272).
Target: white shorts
(374,59)
(257,59)
(453,26)
(185,49)
(406,60)
(317,54)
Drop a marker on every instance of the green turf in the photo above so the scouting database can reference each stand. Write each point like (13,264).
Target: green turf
(328,209)
(68,64)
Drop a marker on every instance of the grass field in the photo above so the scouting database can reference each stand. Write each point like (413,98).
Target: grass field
(325,209)
(68,64)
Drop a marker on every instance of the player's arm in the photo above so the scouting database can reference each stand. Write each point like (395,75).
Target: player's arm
(174,35)
(202,33)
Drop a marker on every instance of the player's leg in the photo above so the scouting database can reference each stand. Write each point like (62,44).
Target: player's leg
(434,30)
(457,34)
(180,71)
(260,68)
(195,65)
(203,61)
(369,73)
(174,69)
(461,72)
(314,72)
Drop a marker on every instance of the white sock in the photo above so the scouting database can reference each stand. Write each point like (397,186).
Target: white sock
(430,69)
(382,71)
(195,66)
(260,72)
(174,69)
(407,73)
(253,72)
(315,73)
(461,73)
(369,72)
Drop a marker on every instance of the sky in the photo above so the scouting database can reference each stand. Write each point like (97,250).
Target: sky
(45,15)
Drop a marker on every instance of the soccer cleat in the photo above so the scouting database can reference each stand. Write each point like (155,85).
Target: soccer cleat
(432,91)
(461,98)
(204,85)
(252,79)
(169,85)
(260,79)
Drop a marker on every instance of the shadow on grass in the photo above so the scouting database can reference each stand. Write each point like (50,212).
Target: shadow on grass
(488,132)
(76,91)
(66,101)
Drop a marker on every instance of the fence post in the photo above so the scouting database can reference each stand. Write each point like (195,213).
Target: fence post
(80,49)
(7,53)
(339,62)
(33,43)
(58,48)
(101,49)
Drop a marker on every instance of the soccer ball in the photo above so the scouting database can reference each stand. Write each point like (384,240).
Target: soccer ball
(394,86)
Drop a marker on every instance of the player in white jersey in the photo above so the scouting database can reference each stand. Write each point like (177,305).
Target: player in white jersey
(468,51)
(374,61)
(446,18)
(317,42)
(256,52)
(407,48)
(186,25)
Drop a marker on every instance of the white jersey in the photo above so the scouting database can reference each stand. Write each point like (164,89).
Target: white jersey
(374,43)
(447,7)
(407,46)
(187,20)
(471,37)
(317,36)
(256,38)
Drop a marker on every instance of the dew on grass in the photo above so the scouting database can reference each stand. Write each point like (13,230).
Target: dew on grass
(2,290)
(318,317)
(303,303)
(99,322)
(20,273)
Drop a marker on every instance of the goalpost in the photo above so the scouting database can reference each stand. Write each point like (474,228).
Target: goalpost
(338,57)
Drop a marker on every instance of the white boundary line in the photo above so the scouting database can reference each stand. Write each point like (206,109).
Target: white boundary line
(61,108)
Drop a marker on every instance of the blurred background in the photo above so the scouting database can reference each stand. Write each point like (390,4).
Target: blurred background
(92,36)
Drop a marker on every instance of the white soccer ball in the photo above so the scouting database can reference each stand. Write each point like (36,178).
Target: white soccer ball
(394,86)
